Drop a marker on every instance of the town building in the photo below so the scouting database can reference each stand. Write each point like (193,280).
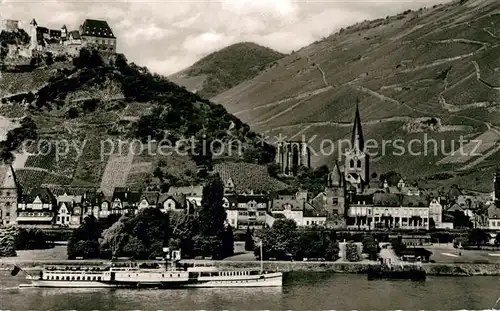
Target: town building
(96,34)
(193,194)
(37,208)
(332,199)
(246,210)
(9,194)
(297,208)
(176,203)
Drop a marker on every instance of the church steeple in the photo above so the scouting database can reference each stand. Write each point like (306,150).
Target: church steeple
(358,142)
(335,178)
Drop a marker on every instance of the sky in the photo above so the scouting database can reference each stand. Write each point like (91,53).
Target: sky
(170,35)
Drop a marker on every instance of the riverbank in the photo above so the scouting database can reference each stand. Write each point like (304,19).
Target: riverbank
(434,269)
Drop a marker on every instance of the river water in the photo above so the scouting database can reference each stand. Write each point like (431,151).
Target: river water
(301,291)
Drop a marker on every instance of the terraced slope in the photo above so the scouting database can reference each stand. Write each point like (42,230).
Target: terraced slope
(90,121)
(430,74)
(224,69)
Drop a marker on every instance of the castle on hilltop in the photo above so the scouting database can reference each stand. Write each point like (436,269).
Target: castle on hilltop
(92,34)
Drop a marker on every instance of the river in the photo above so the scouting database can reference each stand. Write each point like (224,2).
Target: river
(301,291)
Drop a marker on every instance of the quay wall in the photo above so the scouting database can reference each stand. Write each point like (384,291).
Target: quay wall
(435,269)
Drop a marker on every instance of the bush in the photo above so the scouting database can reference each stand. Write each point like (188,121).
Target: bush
(352,253)
(249,242)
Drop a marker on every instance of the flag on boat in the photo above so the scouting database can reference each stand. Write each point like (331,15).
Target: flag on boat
(15,271)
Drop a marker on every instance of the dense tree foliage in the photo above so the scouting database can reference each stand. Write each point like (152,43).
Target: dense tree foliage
(249,242)
(314,181)
(19,37)
(15,138)
(8,237)
(32,238)
(283,241)
(352,252)
(371,247)
(144,235)
(478,237)
(84,241)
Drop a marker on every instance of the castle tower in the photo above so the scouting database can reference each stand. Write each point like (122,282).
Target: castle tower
(64,33)
(8,195)
(356,160)
(33,32)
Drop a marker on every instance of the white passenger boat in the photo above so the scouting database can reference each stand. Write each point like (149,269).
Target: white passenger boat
(159,274)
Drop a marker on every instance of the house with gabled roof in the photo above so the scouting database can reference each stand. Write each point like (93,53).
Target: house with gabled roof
(176,203)
(37,208)
(193,194)
(97,34)
(148,200)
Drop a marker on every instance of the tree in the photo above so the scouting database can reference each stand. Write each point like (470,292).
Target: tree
(114,237)
(95,60)
(332,251)
(49,59)
(8,241)
(249,242)
(370,247)
(352,253)
(227,242)
(478,237)
(84,241)
(212,214)
(279,241)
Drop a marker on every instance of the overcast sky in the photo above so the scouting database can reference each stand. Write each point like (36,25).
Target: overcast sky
(167,36)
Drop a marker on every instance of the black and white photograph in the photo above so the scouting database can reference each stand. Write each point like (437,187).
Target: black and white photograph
(249,155)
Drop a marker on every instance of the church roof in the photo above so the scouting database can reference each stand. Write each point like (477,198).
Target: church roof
(357,141)
(43,193)
(97,28)
(335,177)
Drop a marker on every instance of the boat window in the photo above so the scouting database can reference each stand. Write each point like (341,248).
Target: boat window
(57,278)
(78,278)
(93,278)
(98,278)
(178,275)
(163,275)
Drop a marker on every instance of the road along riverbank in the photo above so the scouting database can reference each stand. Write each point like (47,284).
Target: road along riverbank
(436,269)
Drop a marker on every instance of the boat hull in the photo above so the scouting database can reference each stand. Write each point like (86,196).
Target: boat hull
(268,280)
(71,284)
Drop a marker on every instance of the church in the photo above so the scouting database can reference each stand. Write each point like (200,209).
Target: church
(348,178)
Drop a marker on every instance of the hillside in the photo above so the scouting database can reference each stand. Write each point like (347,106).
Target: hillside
(95,114)
(431,73)
(226,68)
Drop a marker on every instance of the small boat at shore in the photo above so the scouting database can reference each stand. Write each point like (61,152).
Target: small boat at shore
(157,275)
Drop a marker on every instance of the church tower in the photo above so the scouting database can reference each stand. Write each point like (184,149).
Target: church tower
(356,160)
(335,192)
(8,195)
